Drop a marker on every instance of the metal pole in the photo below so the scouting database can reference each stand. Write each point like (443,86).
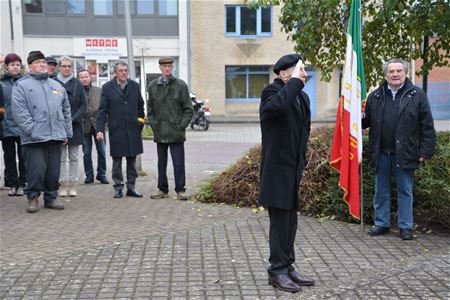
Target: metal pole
(361,220)
(131,68)
(361,196)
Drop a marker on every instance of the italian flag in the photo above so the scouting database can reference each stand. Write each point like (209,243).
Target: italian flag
(346,152)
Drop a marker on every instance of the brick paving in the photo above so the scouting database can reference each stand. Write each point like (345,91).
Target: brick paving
(103,248)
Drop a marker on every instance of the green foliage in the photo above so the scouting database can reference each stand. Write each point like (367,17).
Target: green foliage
(391,28)
(320,195)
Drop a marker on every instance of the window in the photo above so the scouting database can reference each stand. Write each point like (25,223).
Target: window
(245,83)
(103,7)
(33,6)
(244,21)
(62,7)
(168,7)
(76,7)
(140,7)
(145,7)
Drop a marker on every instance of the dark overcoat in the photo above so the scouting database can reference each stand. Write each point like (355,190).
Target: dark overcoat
(121,111)
(285,118)
(78,104)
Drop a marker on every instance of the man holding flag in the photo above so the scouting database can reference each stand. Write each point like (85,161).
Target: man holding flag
(401,136)
(346,151)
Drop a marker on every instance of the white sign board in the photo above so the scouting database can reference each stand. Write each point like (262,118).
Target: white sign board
(100,49)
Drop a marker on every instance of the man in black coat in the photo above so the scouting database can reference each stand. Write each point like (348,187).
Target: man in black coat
(122,106)
(401,136)
(285,118)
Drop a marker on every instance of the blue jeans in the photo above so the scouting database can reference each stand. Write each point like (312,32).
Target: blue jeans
(87,157)
(381,203)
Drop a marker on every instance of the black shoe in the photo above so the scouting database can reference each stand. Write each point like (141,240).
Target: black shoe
(134,193)
(284,283)
(102,180)
(300,280)
(406,234)
(118,194)
(89,180)
(378,230)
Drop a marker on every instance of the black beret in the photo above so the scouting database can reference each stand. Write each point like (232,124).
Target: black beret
(166,60)
(34,55)
(286,62)
(51,60)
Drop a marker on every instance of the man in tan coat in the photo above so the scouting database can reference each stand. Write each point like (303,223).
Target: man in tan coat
(90,118)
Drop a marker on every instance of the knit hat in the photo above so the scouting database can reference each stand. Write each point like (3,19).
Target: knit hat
(34,55)
(12,57)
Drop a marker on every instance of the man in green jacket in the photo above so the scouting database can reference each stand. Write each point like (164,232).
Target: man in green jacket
(170,111)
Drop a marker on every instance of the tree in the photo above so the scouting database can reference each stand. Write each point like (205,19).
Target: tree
(391,28)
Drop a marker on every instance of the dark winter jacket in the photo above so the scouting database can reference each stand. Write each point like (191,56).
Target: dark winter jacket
(415,136)
(169,110)
(285,118)
(2,113)
(10,128)
(78,104)
(122,111)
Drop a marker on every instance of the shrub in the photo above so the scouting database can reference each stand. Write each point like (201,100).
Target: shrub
(320,194)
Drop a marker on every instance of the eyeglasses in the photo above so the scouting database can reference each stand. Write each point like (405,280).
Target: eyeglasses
(66,66)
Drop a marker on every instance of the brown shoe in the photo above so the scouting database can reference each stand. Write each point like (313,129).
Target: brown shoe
(32,205)
(54,205)
(284,283)
(300,280)
(182,196)
(159,195)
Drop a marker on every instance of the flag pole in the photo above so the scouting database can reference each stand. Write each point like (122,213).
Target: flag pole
(361,201)
(361,195)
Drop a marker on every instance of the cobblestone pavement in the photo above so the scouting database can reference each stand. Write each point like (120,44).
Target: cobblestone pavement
(102,248)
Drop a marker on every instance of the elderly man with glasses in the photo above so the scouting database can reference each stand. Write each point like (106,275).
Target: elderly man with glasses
(78,103)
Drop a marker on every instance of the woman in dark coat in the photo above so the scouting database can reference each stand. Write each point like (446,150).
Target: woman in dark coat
(285,125)
(78,103)
(122,106)
(15,177)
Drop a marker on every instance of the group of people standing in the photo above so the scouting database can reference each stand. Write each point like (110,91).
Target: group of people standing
(47,115)
(46,120)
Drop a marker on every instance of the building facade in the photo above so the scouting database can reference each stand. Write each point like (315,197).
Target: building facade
(94,33)
(233,50)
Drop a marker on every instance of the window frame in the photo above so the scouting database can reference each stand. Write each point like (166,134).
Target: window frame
(247,74)
(237,32)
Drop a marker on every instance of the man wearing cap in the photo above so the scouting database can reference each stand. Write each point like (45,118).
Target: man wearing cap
(285,125)
(51,67)
(41,109)
(170,111)
(122,107)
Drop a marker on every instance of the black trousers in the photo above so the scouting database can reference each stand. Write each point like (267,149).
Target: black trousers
(42,163)
(117,175)
(13,177)
(283,228)
(177,154)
